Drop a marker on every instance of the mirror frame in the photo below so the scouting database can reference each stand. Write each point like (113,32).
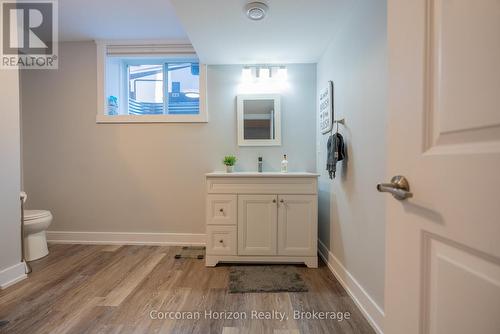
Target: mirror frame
(277,120)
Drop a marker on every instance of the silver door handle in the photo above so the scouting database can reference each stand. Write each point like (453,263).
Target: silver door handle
(399,188)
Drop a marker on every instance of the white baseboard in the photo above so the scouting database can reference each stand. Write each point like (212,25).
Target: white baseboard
(372,312)
(126,238)
(12,275)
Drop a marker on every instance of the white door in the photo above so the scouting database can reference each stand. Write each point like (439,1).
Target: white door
(443,244)
(297,227)
(257,224)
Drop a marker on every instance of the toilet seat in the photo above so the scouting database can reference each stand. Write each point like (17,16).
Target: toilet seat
(30,215)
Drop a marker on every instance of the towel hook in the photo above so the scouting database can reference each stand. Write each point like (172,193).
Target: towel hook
(339,121)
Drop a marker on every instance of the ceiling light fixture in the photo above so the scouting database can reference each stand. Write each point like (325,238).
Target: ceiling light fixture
(253,73)
(265,78)
(256,11)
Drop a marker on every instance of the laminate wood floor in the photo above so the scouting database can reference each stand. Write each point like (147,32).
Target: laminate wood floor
(113,289)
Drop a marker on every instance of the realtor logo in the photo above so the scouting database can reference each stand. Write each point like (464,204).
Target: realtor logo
(29,34)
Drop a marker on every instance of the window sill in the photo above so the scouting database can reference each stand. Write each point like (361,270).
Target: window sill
(152,119)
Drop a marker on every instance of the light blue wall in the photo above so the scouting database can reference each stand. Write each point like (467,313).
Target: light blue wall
(142,177)
(298,107)
(351,212)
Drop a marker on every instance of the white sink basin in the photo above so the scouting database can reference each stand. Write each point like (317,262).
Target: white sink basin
(263,174)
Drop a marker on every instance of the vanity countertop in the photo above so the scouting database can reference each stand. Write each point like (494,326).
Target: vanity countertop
(263,174)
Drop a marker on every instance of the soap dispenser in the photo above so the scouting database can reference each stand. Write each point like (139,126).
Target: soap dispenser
(259,165)
(284,165)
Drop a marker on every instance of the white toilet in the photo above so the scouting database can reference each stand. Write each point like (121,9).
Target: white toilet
(35,242)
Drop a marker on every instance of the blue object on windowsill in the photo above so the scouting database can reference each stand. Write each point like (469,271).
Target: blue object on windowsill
(195,69)
(112,105)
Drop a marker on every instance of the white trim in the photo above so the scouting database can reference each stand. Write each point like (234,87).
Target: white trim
(13,274)
(152,119)
(126,238)
(368,307)
(150,47)
(101,71)
(146,48)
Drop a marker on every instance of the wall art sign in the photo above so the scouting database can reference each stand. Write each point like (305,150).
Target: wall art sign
(326,108)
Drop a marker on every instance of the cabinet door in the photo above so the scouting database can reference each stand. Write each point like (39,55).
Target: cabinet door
(257,224)
(297,225)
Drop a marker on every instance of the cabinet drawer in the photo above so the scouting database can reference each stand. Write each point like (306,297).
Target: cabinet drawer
(221,209)
(262,185)
(221,240)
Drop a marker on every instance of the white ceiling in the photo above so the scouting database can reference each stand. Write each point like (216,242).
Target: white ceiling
(294,31)
(118,19)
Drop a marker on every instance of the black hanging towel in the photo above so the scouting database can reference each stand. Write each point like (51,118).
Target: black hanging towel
(336,152)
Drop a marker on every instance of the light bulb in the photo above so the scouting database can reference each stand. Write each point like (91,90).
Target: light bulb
(246,74)
(264,73)
(282,73)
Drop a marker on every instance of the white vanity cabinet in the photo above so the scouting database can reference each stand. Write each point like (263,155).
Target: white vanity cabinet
(262,217)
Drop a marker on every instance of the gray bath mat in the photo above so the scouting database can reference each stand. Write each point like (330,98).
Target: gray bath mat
(188,252)
(265,279)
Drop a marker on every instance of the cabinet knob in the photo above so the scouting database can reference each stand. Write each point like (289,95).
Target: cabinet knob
(221,241)
(221,210)
(274,201)
(282,201)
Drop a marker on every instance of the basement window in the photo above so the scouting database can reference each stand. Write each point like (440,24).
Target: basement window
(145,84)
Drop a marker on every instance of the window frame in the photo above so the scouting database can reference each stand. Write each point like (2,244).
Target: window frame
(163,52)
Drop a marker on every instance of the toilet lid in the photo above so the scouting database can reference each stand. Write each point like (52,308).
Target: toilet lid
(35,214)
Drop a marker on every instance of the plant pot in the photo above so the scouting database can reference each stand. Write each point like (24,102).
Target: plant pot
(229,169)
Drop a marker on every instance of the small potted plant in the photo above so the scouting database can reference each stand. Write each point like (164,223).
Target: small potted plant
(229,161)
